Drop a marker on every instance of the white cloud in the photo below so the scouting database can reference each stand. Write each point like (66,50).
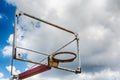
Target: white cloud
(0,16)
(2,77)
(15,71)
(10,39)
(3,16)
(96,21)
(96,33)
(103,75)
(7,51)
(41,78)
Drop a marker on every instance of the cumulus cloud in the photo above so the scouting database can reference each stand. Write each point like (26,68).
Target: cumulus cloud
(3,16)
(2,77)
(96,21)
(15,71)
(0,16)
(42,78)
(106,74)
(7,51)
(10,39)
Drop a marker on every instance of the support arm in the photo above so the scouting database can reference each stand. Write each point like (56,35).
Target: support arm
(34,71)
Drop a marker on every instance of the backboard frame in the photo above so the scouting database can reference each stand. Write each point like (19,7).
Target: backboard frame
(17,15)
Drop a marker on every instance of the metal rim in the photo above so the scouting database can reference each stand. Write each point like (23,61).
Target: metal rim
(65,60)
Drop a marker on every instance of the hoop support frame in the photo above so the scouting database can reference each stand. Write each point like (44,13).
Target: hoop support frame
(51,56)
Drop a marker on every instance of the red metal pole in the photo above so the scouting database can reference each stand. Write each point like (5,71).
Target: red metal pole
(34,71)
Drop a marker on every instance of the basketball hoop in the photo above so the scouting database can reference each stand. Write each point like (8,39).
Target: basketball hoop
(49,60)
(54,58)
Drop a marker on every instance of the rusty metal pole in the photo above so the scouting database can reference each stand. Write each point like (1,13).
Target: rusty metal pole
(54,25)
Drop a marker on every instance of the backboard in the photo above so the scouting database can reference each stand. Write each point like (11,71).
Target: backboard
(40,42)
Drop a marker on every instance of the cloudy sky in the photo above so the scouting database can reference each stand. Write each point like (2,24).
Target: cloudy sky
(96,22)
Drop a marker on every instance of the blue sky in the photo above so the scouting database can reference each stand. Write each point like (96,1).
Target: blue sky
(6,21)
(96,22)
(6,28)
(7,12)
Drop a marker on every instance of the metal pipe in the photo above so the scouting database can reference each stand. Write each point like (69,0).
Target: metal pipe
(64,46)
(14,41)
(54,25)
(32,51)
(30,61)
(78,52)
(66,69)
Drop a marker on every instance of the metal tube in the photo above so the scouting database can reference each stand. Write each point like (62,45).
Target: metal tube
(30,61)
(13,45)
(64,46)
(32,51)
(54,25)
(66,69)
(78,52)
